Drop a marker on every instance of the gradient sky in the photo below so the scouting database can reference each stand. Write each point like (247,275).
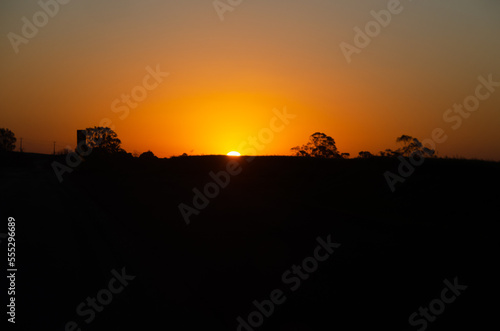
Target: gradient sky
(226,77)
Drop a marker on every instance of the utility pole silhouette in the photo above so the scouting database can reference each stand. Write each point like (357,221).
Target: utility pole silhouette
(21,148)
(54,148)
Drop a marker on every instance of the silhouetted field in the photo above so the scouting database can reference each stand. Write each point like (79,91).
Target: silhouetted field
(396,248)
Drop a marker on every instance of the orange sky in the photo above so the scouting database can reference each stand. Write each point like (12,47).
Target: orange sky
(226,77)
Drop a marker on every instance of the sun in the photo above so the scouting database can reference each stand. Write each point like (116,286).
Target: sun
(233,153)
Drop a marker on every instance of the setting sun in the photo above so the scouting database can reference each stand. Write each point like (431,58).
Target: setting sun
(233,153)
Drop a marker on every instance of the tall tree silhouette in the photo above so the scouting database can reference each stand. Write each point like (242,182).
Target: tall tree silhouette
(413,145)
(410,146)
(319,145)
(7,140)
(103,139)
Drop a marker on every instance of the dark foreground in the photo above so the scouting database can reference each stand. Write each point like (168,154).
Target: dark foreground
(115,226)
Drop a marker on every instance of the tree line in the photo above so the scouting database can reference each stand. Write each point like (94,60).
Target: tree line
(321,145)
(103,140)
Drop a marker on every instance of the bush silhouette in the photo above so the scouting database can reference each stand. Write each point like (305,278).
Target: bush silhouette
(319,145)
(148,156)
(104,140)
(7,140)
(365,155)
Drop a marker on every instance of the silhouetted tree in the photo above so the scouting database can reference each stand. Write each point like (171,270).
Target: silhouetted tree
(7,140)
(148,156)
(319,145)
(390,153)
(345,155)
(103,139)
(364,155)
(404,139)
(410,146)
(300,151)
(413,145)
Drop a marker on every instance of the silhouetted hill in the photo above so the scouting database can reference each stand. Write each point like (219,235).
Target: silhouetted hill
(396,248)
